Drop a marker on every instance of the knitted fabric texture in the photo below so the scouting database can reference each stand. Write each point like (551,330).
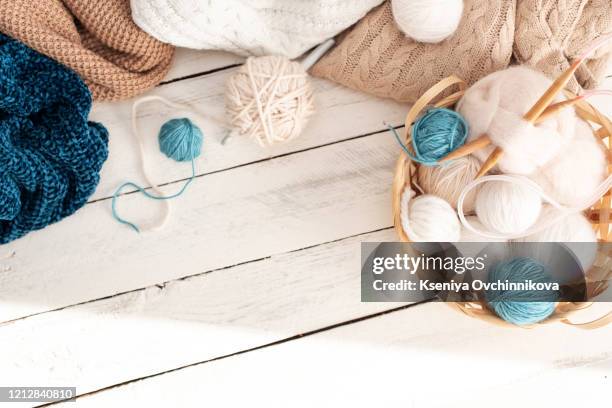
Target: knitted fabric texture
(248,27)
(550,34)
(95,38)
(376,57)
(51,156)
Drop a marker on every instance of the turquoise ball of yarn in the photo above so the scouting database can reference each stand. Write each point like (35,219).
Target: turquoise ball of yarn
(180,139)
(521,307)
(436,134)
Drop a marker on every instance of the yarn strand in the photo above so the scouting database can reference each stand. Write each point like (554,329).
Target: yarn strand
(148,195)
(144,165)
(563,211)
(435,134)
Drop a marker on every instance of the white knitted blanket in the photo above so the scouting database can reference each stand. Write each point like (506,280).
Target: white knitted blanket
(248,27)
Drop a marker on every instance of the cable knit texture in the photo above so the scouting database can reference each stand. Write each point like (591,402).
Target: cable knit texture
(248,27)
(95,38)
(51,156)
(551,33)
(378,58)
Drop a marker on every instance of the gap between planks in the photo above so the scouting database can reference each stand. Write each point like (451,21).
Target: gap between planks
(162,285)
(334,120)
(238,353)
(209,316)
(291,204)
(199,175)
(404,355)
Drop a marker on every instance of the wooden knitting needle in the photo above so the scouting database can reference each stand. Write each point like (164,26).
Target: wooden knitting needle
(556,108)
(468,148)
(490,162)
(536,111)
(531,116)
(549,96)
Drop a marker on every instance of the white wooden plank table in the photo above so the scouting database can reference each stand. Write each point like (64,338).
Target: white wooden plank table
(250,296)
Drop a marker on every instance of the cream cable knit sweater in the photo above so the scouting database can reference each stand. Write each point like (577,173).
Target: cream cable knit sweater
(376,57)
(248,27)
(551,33)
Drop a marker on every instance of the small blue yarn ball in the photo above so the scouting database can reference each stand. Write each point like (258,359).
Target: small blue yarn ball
(436,134)
(521,307)
(180,139)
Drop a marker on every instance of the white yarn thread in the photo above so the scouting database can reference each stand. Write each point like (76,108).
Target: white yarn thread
(144,165)
(428,218)
(539,226)
(429,21)
(469,236)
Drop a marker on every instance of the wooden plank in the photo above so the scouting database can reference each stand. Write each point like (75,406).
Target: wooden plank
(225,218)
(425,356)
(339,116)
(193,62)
(106,342)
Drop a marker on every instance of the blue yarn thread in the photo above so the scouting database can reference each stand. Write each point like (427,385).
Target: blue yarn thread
(434,135)
(521,307)
(180,140)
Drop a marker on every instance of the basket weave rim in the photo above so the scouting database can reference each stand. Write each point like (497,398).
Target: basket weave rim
(599,215)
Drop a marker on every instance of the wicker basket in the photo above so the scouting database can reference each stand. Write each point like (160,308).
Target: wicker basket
(599,214)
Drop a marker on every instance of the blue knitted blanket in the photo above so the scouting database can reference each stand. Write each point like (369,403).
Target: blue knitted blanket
(50,155)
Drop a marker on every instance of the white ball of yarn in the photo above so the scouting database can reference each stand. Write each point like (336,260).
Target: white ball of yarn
(429,21)
(269,99)
(574,230)
(428,218)
(471,243)
(507,208)
(448,180)
(495,106)
(569,228)
(470,236)
(573,177)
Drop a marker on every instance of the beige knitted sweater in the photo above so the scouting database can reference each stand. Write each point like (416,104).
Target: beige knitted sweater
(375,57)
(378,58)
(96,38)
(551,33)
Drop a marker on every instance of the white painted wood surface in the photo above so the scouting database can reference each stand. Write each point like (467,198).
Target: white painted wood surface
(263,248)
(197,319)
(424,356)
(226,217)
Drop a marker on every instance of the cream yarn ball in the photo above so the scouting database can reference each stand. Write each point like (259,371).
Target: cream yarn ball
(574,230)
(470,236)
(269,99)
(569,228)
(428,218)
(573,177)
(448,180)
(429,21)
(507,208)
(469,239)
(495,106)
